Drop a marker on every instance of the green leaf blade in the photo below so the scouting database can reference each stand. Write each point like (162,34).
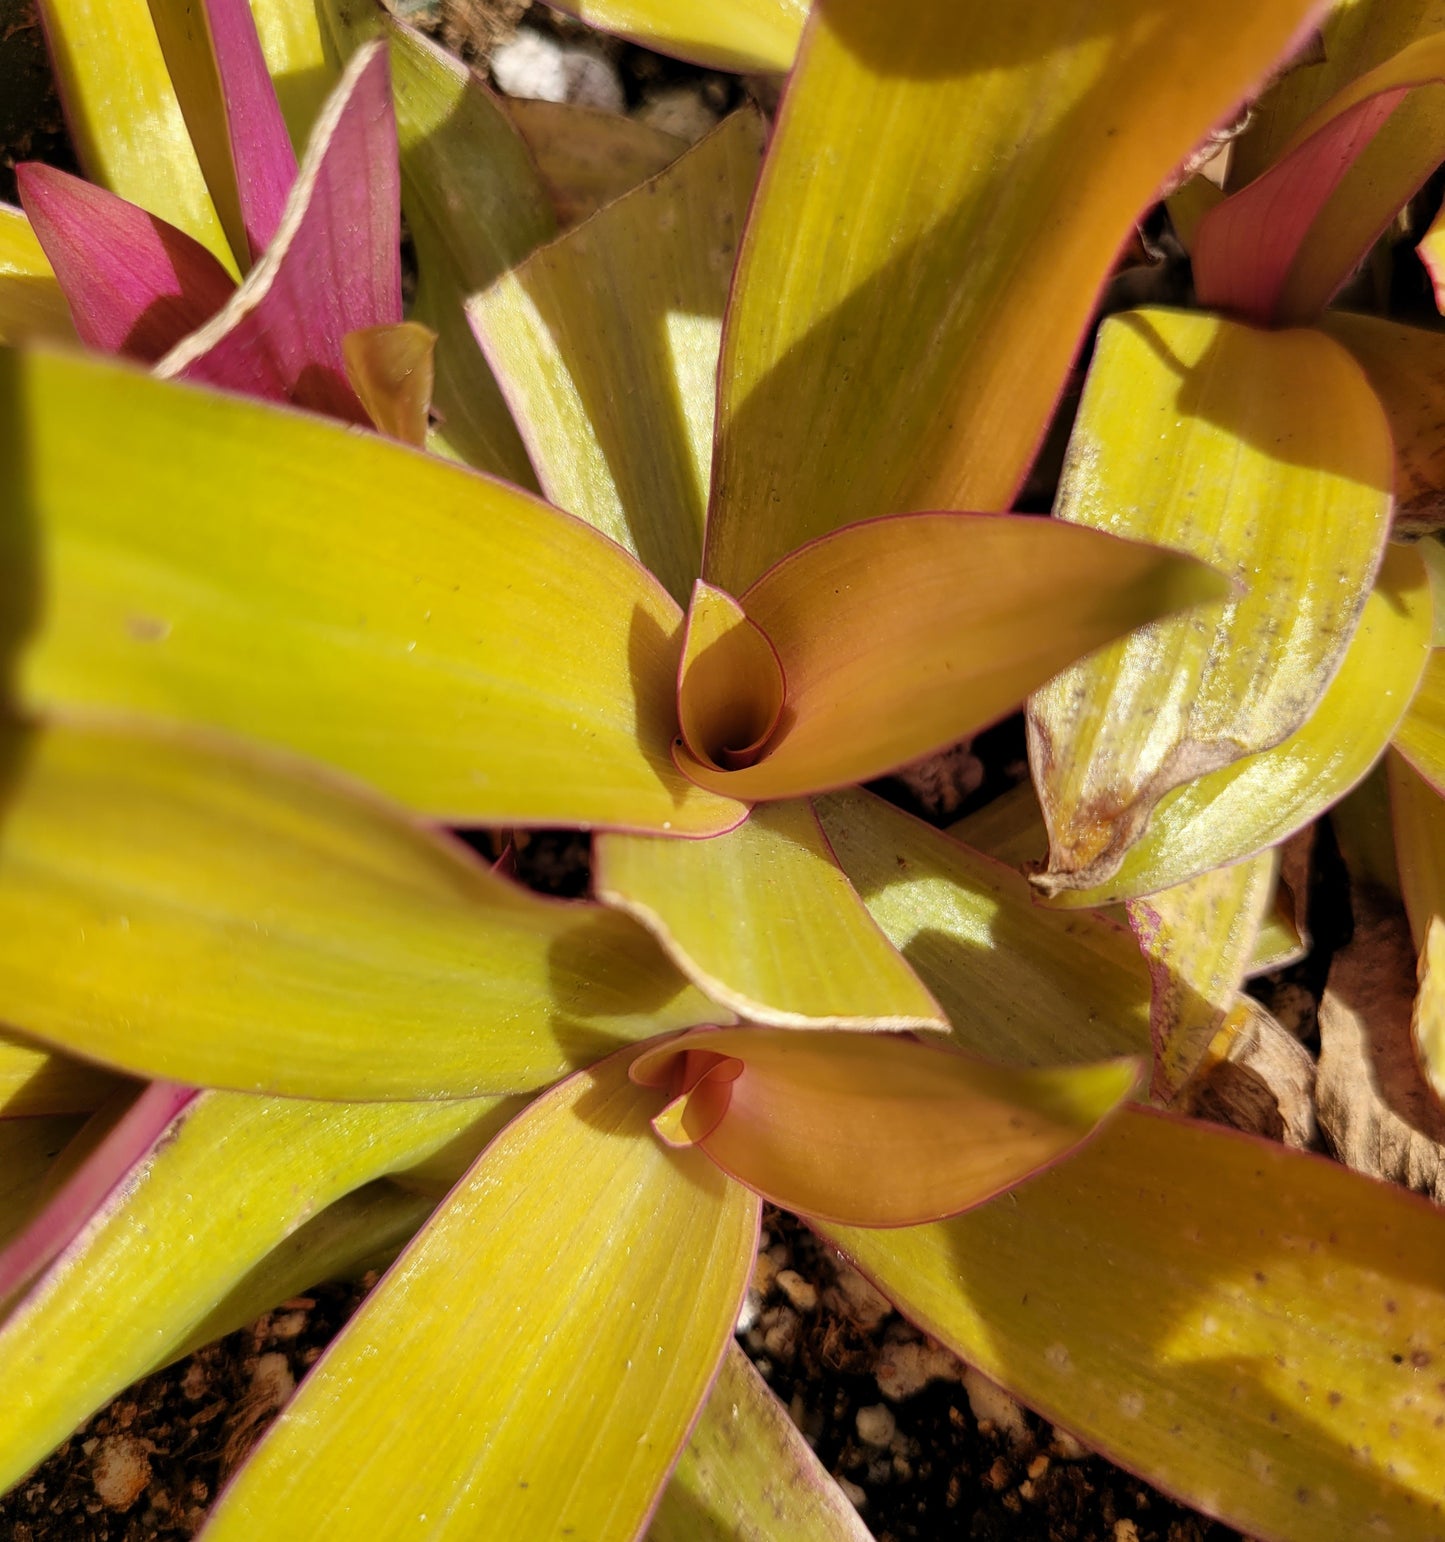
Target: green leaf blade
(763,921)
(124,115)
(1253,1329)
(224,921)
(267,573)
(637,294)
(237,1177)
(1264,454)
(906,309)
(1020,985)
(748,1472)
(1260,801)
(562,1420)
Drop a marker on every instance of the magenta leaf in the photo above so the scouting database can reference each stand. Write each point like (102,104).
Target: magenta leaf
(333,268)
(135,285)
(1246,246)
(261,150)
(91,1184)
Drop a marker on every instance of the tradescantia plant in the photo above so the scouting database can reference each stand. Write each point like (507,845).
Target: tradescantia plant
(233,566)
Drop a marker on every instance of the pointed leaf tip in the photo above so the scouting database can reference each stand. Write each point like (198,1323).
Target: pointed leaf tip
(334,266)
(135,285)
(392,370)
(1267,252)
(763,920)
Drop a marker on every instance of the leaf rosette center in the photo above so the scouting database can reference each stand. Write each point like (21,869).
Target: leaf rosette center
(731,690)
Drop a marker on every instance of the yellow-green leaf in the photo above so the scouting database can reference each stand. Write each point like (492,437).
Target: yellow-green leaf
(1256,1330)
(235,1176)
(872,1129)
(360,1231)
(1189,203)
(466,649)
(1020,984)
(474,205)
(1406,370)
(747,1474)
(1427,1020)
(900,635)
(32,307)
(636,295)
(1265,454)
(1009,829)
(1280,941)
(748,35)
(949,185)
(124,116)
(588,157)
(1364,830)
(1433,553)
(296,58)
(1355,36)
(1257,802)
(225,921)
(36,1081)
(763,921)
(1417,814)
(391,369)
(1199,939)
(586,1278)
(1421,735)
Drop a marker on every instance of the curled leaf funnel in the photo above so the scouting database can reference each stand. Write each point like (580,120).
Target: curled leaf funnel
(874,1127)
(884,641)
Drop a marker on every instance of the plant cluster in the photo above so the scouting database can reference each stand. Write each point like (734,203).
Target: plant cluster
(678,525)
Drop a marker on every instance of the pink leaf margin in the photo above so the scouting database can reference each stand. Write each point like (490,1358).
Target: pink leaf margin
(98,1180)
(333,268)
